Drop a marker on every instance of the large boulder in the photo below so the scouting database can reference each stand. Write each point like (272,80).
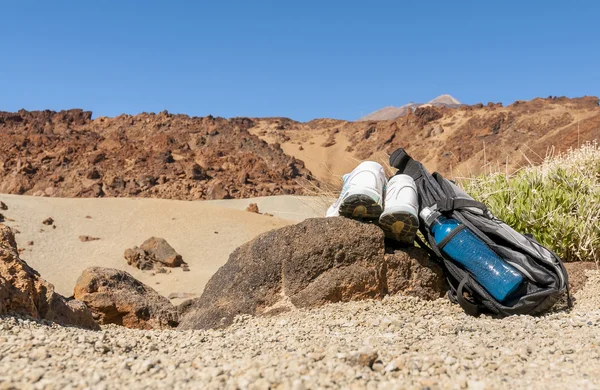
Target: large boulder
(309,264)
(24,292)
(116,297)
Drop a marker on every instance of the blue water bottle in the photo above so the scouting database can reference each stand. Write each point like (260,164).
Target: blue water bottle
(499,278)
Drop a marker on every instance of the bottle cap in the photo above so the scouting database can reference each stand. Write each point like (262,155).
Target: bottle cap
(428,215)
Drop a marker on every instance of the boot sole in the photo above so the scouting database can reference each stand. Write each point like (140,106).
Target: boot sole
(401,226)
(359,206)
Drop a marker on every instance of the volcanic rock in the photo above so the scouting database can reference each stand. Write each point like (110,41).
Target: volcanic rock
(162,252)
(88,238)
(96,157)
(181,295)
(217,191)
(196,172)
(252,208)
(153,252)
(138,258)
(185,156)
(344,261)
(93,174)
(116,297)
(411,271)
(24,292)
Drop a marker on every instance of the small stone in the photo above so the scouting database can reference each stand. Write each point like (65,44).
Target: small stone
(298,385)
(449,361)
(367,356)
(48,221)
(96,157)
(181,295)
(476,385)
(252,208)
(101,347)
(39,354)
(391,366)
(35,374)
(88,238)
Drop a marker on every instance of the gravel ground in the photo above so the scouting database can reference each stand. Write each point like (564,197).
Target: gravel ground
(400,342)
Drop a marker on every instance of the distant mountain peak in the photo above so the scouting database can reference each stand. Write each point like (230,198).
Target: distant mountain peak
(444,99)
(391,112)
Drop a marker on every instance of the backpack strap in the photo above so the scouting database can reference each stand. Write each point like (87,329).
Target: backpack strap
(405,164)
(469,307)
(449,204)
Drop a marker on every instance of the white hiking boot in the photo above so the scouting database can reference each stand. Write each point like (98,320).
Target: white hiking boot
(362,193)
(399,219)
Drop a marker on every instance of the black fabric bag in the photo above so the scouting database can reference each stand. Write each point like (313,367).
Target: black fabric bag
(545,276)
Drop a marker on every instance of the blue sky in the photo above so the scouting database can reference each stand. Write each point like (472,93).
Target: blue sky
(299,59)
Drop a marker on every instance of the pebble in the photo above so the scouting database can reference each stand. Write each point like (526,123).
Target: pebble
(399,342)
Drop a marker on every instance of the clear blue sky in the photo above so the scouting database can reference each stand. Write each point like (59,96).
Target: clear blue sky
(301,59)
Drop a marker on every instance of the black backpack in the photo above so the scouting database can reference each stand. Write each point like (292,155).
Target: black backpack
(545,276)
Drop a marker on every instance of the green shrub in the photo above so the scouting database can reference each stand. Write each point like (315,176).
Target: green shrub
(558,202)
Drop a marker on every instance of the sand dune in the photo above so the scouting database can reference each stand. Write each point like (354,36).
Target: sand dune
(203,232)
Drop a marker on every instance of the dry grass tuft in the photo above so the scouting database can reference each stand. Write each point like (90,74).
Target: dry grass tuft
(558,201)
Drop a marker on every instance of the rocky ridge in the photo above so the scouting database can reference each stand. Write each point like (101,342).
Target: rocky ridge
(68,154)
(457,142)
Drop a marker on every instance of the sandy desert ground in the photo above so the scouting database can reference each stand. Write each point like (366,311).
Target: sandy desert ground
(203,232)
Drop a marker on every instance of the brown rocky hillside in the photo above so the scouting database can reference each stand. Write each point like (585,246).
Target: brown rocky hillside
(458,141)
(68,154)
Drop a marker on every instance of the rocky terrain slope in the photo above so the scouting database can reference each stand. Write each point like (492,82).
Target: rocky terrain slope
(458,142)
(69,154)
